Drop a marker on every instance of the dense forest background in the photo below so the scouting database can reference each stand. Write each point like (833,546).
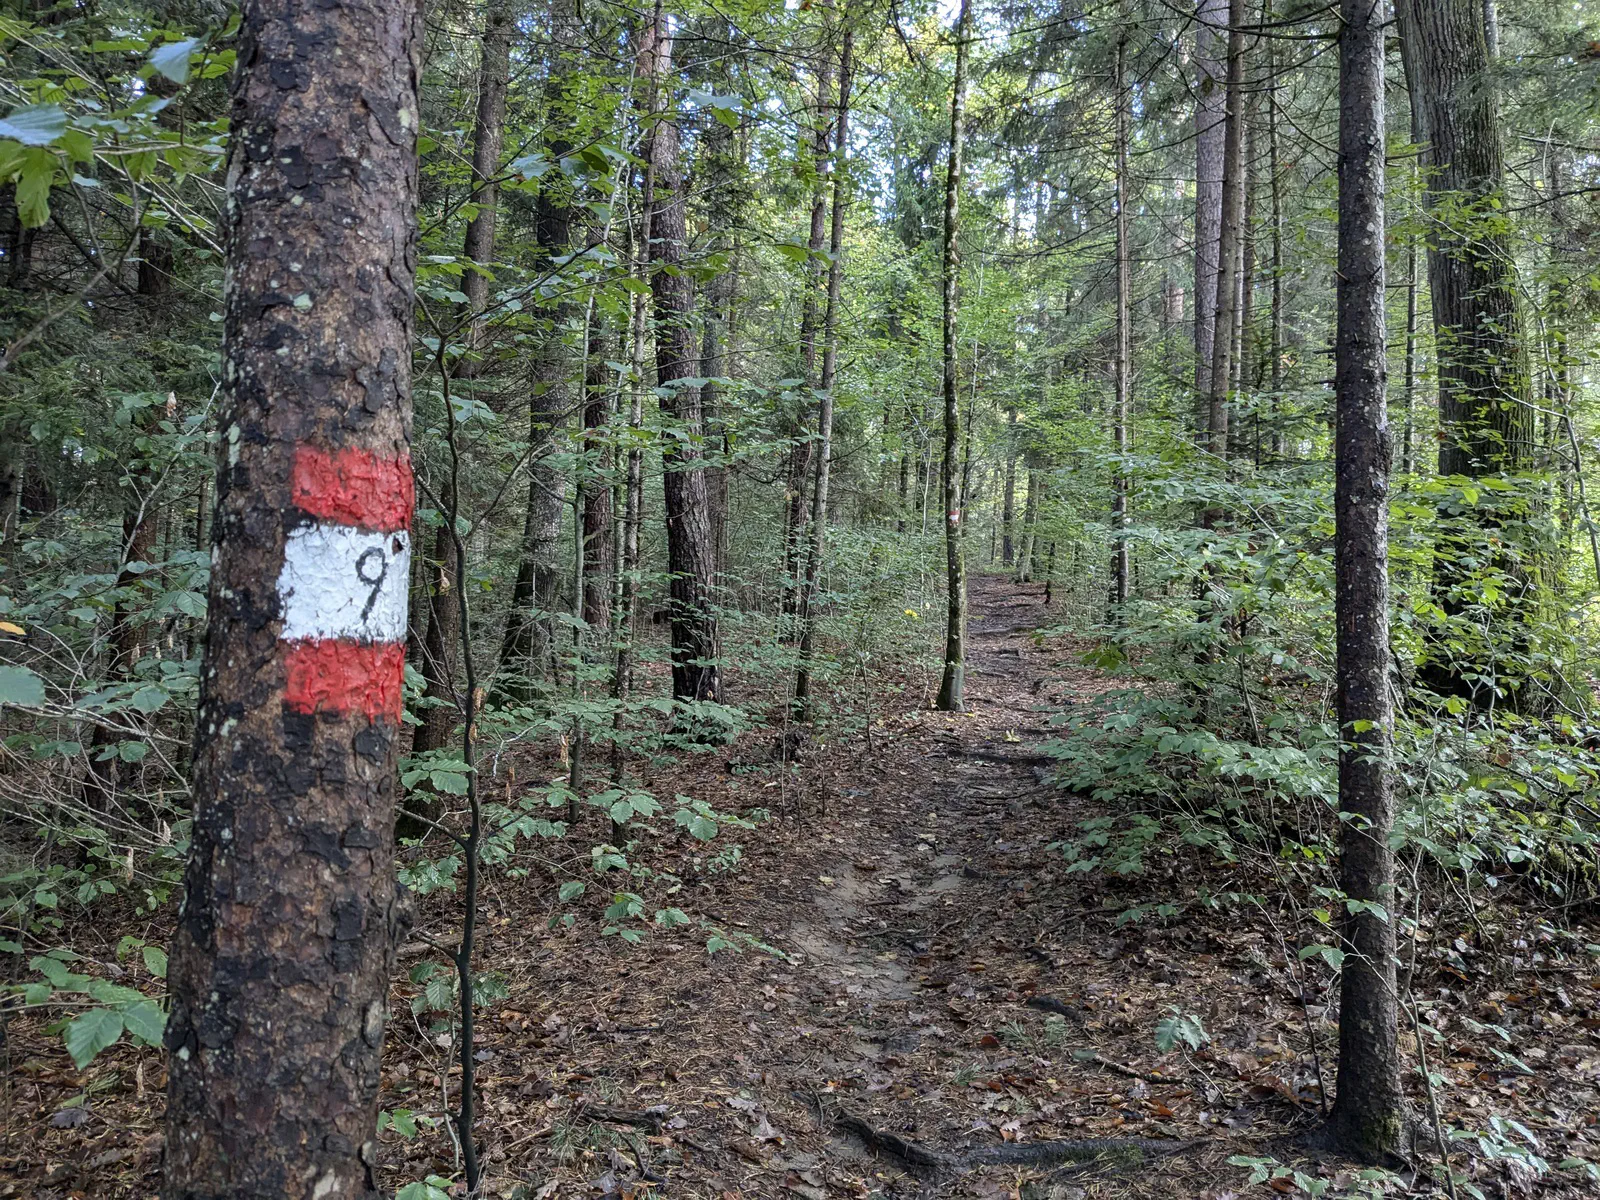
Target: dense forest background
(747,336)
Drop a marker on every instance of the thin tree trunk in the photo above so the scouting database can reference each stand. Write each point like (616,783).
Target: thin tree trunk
(1124,352)
(951,685)
(1229,240)
(1008,549)
(830,372)
(803,449)
(283,955)
(1368,1117)
(1030,521)
(442,640)
(1210,141)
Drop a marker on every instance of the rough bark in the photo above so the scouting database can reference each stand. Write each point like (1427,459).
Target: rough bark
(282,957)
(1368,1116)
(1124,351)
(951,684)
(1209,141)
(1486,426)
(1008,548)
(691,548)
(1230,239)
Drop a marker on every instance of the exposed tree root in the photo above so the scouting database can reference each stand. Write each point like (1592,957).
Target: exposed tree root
(926,1163)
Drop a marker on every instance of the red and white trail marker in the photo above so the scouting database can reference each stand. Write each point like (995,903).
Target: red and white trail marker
(343,588)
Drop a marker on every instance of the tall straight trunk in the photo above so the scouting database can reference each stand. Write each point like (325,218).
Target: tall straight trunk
(595,522)
(951,685)
(1210,136)
(1030,522)
(442,639)
(284,949)
(527,650)
(1368,1116)
(1008,549)
(1124,353)
(1247,383)
(830,373)
(1486,426)
(1229,242)
(1275,191)
(1419,138)
(690,547)
(803,448)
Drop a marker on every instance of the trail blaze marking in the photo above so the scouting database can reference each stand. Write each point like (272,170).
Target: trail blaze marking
(343,588)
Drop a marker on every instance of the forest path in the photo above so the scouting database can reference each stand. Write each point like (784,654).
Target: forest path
(941,968)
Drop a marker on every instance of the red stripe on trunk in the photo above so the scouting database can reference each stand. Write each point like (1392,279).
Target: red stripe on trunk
(343,677)
(354,487)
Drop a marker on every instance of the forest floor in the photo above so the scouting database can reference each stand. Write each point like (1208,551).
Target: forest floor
(943,992)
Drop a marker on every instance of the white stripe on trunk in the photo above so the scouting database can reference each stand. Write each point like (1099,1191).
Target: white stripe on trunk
(339,582)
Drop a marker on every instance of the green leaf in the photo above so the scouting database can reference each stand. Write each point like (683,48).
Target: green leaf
(145,1021)
(34,124)
(451,783)
(172,59)
(155,961)
(34,180)
(18,685)
(91,1033)
(149,699)
(571,890)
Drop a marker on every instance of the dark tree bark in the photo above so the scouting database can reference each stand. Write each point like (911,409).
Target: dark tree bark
(691,549)
(1209,141)
(1368,1116)
(951,686)
(526,652)
(1230,239)
(282,957)
(1008,509)
(1486,426)
(1124,352)
(1030,522)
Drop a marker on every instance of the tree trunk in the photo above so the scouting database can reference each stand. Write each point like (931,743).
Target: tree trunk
(830,372)
(1008,549)
(1486,426)
(441,642)
(1210,139)
(951,686)
(1030,521)
(1368,1116)
(284,951)
(690,545)
(1124,353)
(801,452)
(527,650)
(1229,242)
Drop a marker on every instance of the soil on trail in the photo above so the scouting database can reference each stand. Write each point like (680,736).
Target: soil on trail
(938,980)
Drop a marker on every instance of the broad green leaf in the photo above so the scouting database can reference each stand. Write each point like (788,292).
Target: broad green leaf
(155,961)
(18,685)
(145,1021)
(34,124)
(172,59)
(91,1033)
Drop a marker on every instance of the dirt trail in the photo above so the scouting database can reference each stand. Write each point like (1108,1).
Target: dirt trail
(936,985)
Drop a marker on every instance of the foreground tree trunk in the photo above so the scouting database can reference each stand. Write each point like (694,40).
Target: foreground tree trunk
(1368,1116)
(282,957)
(951,685)
(691,546)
